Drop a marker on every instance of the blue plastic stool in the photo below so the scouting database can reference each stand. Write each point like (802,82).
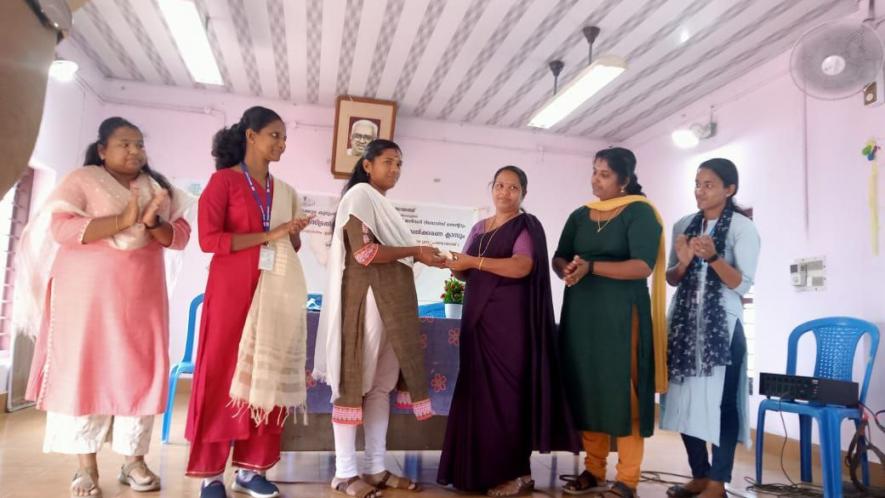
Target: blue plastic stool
(836,340)
(185,366)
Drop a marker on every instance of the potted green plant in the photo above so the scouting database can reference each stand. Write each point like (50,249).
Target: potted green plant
(453,297)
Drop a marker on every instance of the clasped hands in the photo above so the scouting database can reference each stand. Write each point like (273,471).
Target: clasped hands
(130,214)
(575,270)
(687,248)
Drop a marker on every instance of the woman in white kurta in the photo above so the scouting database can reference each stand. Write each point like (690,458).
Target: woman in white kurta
(712,263)
(368,331)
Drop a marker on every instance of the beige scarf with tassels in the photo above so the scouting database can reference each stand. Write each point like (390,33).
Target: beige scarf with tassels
(271,362)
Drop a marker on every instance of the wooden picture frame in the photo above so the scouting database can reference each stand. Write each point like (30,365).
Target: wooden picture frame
(358,121)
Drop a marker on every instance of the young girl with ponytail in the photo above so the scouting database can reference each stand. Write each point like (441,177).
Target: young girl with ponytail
(252,341)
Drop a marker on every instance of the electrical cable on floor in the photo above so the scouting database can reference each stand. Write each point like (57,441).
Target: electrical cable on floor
(781,489)
(793,489)
(861,446)
(806,489)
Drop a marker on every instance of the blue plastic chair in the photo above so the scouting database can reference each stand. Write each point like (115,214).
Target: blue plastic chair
(836,340)
(185,366)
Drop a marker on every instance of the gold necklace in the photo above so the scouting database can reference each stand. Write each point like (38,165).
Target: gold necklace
(493,230)
(601,226)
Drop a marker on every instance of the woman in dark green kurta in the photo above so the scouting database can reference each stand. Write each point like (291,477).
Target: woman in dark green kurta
(605,258)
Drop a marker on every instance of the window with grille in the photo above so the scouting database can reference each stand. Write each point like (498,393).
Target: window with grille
(14,210)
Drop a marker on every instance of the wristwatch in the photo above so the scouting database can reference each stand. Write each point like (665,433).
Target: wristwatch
(54,14)
(712,258)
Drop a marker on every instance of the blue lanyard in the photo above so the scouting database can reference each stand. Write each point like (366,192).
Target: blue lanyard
(264,208)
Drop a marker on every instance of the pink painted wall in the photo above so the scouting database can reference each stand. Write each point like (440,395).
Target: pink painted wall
(760,120)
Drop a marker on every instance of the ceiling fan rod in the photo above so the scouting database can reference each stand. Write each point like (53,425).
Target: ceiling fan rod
(556,68)
(590,33)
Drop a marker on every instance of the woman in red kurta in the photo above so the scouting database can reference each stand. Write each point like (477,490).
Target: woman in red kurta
(234,224)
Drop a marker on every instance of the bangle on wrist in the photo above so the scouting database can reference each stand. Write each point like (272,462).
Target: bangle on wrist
(590,265)
(481,261)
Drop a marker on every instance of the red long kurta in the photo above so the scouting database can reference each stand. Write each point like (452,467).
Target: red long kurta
(227,207)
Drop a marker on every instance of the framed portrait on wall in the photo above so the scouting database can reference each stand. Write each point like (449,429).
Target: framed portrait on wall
(358,121)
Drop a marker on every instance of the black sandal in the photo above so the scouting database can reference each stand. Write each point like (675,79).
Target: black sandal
(581,484)
(679,491)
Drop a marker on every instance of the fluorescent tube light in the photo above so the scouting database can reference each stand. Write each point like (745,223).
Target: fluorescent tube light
(591,80)
(190,36)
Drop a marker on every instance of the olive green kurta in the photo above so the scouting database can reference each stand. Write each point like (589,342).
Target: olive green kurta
(596,322)
(394,289)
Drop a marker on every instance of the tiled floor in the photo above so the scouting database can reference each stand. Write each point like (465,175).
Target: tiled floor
(26,472)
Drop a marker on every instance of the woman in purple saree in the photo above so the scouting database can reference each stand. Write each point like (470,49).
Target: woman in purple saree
(508,399)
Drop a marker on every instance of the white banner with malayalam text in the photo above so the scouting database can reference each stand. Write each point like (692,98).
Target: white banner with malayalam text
(444,227)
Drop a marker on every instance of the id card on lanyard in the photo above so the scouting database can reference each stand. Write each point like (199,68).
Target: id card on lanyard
(266,254)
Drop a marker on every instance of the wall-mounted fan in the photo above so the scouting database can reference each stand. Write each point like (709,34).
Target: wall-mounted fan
(838,59)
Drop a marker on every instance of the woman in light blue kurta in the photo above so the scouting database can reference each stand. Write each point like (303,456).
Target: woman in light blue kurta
(712,263)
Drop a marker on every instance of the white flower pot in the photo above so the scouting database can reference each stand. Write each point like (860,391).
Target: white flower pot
(453,310)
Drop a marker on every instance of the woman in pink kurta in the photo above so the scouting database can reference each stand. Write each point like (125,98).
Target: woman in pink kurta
(101,311)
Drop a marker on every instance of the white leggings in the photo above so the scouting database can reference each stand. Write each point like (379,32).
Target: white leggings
(80,435)
(376,405)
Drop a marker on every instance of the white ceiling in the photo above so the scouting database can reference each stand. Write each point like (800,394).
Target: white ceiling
(476,61)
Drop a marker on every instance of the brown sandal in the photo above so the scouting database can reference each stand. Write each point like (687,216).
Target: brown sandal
(355,487)
(83,480)
(392,481)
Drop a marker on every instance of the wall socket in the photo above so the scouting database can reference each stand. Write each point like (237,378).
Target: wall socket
(808,274)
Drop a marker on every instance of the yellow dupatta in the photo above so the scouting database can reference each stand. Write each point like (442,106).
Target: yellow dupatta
(658,289)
